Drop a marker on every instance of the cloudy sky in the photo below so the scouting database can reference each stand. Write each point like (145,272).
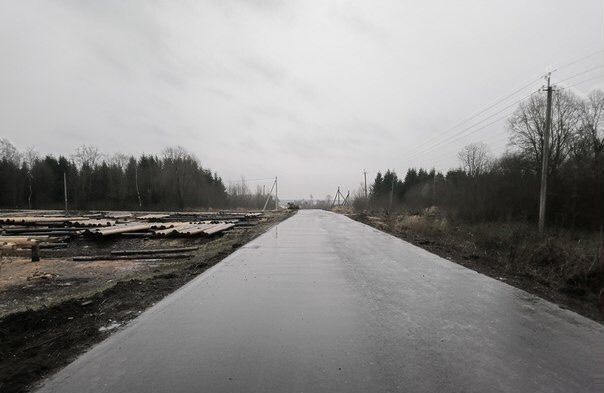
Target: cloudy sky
(312,91)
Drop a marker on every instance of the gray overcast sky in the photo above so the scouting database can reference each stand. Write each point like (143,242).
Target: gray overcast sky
(311,91)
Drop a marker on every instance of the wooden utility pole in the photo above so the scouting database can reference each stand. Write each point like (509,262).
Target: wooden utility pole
(391,194)
(138,193)
(276,195)
(545,158)
(269,195)
(434,189)
(366,194)
(65,191)
(365,176)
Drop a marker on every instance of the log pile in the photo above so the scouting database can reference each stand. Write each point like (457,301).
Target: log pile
(29,229)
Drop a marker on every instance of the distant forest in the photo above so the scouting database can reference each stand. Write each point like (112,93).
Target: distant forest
(175,180)
(486,188)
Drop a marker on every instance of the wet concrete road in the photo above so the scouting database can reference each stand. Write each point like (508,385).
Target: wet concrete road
(321,303)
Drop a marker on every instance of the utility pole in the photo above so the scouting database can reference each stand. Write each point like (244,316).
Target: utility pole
(366,194)
(138,193)
(269,195)
(391,194)
(276,195)
(65,191)
(434,189)
(545,158)
(338,195)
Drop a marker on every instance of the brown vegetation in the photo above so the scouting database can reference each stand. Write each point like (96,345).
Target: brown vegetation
(565,267)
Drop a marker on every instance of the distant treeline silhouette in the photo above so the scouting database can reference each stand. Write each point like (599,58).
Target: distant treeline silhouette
(175,180)
(507,188)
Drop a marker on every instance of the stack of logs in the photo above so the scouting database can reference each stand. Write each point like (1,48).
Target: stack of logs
(26,231)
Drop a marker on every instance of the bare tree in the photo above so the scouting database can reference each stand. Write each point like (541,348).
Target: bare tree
(591,130)
(87,155)
(527,125)
(176,153)
(120,160)
(591,145)
(29,159)
(474,158)
(9,152)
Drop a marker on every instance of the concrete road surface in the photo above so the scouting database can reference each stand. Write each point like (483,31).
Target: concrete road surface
(321,303)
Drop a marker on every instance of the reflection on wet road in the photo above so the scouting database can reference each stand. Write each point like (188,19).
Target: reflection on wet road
(321,303)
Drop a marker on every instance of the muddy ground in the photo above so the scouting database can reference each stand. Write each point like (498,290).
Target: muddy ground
(586,304)
(54,310)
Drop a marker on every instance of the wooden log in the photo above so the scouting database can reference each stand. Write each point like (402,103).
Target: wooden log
(116,230)
(218,228)
(92,222)
(41,229)
(7,246)
(37,220)
(117,215)
(154,251)
(195,229)
(153,216)
(35,251)
(175,227)
(137,234)
(87,258)
(20,241)
(50,233)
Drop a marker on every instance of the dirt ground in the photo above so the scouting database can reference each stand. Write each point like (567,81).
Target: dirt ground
(488,265)
(25,285)
(53,310)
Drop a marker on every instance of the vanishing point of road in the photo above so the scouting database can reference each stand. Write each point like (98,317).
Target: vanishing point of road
(321,303)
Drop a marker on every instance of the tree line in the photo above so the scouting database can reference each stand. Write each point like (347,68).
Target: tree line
(507,187)
(173,180)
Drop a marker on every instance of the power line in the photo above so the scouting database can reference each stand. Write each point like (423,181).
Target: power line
(474,131)
(585,80)
(460,133)
(497,139)
(497,102)
(479,112)
(581,73)
(579,60)
(464,132)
